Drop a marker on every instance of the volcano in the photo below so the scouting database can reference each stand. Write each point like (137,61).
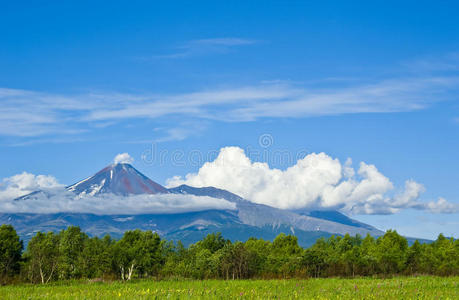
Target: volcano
(119,179)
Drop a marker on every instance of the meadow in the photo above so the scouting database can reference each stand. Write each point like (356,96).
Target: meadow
(422,287)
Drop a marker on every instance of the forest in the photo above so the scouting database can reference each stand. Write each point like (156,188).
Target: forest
(72,254)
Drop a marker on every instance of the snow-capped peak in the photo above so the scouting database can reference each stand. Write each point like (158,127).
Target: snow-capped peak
(119,179)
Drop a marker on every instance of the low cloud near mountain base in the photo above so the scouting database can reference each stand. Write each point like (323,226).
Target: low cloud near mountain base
(53,198)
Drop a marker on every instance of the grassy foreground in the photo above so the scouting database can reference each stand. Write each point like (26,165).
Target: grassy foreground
(364,288)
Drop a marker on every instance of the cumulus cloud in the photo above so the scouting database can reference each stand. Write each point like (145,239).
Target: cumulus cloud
(411,192)
(442,206)
(316,181)
(25,183)
(123,158)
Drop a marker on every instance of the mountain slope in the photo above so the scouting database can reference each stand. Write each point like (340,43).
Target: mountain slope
(334,216)
(118,179)
(260,215)
(188,228)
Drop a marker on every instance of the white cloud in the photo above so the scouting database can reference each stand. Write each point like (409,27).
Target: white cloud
(316,181)
(54,198)
(223,41)
(206,46)
(25,183)
(412,192)
(62,200)
(123,158)
(180,132)
(442,206)
(28,113)
(448,62)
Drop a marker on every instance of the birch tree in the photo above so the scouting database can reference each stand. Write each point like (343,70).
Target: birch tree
(42,257)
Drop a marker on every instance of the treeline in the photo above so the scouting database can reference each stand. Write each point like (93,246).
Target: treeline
(72,254)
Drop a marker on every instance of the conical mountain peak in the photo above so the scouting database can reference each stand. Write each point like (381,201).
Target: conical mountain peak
(119,179)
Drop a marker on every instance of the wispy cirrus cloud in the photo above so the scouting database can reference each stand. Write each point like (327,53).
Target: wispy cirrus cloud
(30,114)
(206,46)
(448,63)
(181,131)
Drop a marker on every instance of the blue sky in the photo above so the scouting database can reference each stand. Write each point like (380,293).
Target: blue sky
(376,82)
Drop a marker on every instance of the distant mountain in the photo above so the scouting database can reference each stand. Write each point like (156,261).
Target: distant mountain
(207,191)
(248,219)
(260,215)
(187,227)
(334,216)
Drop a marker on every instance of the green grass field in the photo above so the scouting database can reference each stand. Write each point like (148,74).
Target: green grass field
(363,288)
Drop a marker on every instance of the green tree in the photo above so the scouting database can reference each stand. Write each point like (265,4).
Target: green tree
(444,256)
(206,255)
(71,245)
(178,262)
(259,250)
(367,262)
(235,261)
(315,258)
(413,258)
(241,260)
(72,254)
(151,256)
(349,249)
(212,242)
(96,258)
(10,252)
(42,257)
(138,251)
(285,256)
(391,252)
